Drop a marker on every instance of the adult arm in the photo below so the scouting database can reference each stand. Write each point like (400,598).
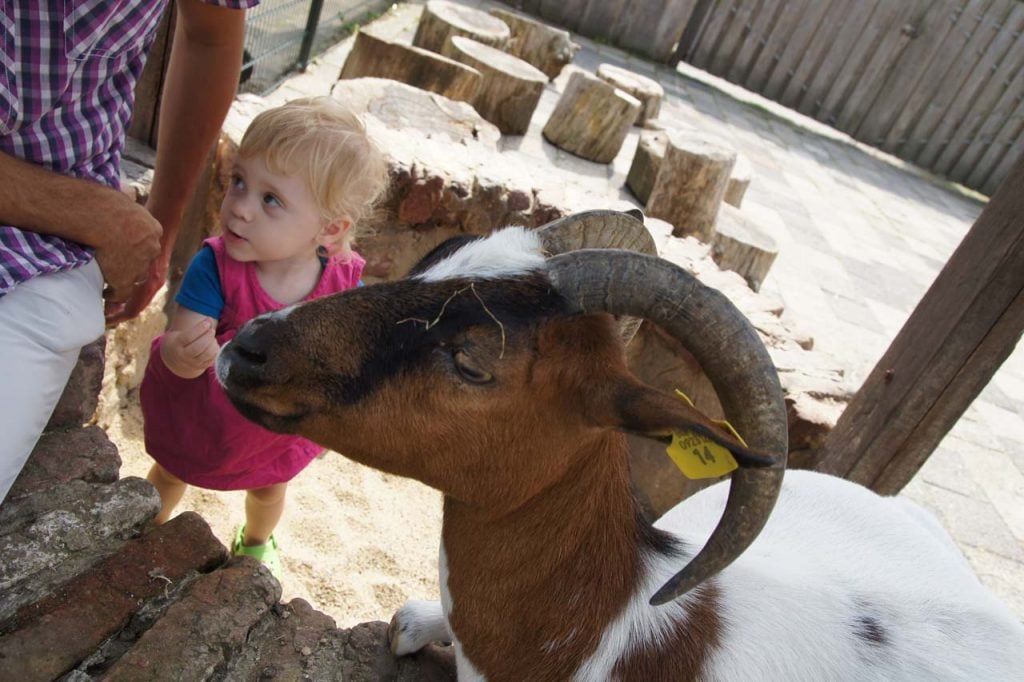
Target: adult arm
(125,235)
(202,78)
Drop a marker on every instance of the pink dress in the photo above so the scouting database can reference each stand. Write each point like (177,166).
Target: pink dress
(191,427)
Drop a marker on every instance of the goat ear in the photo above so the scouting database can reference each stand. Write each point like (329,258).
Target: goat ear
(655,414)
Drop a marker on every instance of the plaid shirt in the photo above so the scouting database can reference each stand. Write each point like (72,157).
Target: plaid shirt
(67,86)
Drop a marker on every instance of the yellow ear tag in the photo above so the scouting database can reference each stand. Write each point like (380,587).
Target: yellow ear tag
(698,456)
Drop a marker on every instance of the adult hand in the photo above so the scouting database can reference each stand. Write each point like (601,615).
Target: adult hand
(141,295)
(126,247)
(188,352)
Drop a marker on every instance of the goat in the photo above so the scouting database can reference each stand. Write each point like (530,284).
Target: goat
(496,375)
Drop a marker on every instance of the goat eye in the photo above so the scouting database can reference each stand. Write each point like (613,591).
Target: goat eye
(468,368)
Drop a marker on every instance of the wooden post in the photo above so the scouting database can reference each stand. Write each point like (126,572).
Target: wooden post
(150,87)
(963,329)
(591,119)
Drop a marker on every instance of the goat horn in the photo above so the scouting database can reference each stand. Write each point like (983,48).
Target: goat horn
(601,229)
(706,323)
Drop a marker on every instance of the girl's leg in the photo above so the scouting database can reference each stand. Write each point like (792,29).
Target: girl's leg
(263,509)
(170,487)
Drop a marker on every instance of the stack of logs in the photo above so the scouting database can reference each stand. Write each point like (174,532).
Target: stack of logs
(500,62)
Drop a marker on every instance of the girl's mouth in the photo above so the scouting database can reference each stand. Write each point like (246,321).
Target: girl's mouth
(231,234)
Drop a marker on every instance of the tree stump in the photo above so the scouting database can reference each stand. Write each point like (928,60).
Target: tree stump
(375,57)
(545,47)
(648,91)
(442,19)
(592,118)
(738,182)
(509,87)
(741,245)
(650,152)
(690,184)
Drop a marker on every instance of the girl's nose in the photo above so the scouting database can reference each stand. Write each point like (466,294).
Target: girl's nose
(240,206)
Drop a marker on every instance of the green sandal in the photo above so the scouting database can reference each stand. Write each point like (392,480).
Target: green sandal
(266,553)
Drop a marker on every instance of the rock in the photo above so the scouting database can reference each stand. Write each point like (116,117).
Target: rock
(52,536)
(61,456)
(205,629)
(78,402)
(47,638)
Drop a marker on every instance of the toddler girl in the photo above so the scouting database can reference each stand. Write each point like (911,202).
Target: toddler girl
(305,174)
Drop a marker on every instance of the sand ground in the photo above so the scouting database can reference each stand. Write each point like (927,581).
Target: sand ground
(355,543)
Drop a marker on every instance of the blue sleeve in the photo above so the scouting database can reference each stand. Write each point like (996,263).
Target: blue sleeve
(200,287)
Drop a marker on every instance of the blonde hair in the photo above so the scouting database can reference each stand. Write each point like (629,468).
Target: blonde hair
(321,140)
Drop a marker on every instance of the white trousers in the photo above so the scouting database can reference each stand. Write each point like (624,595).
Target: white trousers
(44,323)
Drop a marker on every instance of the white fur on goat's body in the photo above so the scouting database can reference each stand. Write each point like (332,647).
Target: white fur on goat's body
(831,554)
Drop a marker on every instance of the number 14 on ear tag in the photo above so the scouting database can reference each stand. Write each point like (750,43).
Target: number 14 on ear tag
(698,456)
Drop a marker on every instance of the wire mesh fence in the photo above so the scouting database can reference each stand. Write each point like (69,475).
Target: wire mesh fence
(283,35)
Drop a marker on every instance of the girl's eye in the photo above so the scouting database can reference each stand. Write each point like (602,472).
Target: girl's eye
(237,182)
(271,200)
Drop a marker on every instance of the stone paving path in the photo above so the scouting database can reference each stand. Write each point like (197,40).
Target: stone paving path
(861,237)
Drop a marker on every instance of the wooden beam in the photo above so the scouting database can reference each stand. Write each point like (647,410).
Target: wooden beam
(150,87)
(963,329)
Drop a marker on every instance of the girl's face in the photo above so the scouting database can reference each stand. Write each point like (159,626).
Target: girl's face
(268,217)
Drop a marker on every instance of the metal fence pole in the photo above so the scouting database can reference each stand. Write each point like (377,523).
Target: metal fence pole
(312,21)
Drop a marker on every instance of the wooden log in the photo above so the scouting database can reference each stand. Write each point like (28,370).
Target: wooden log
(650,151)
(509,87)
(739,181)
(690,185)
(442,19)
(592,118)
(375,57)
(645,89)
(545,47)
(742,246)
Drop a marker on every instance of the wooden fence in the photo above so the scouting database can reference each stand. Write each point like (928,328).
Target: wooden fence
(939,83)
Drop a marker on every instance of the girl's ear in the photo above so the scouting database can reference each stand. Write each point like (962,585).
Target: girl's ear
(333,236)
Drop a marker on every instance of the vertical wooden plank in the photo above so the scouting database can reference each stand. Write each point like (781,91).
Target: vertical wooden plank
(733,38)
(149,89)
(967,323)
(720,16)
(836,56)
(999,159)
(803,32)
(751,49)
(694,30)
(565,13)
(853,69)
(1002,124)
(600,18)
(993,105)
(816,51)
(930,28)
(965,22)
(891,18)
(654,27)
(791,12)
(986,48)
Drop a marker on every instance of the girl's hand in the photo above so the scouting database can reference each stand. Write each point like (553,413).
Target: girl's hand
(190,350)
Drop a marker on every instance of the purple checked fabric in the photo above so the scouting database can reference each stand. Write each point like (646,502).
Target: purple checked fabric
(68,70)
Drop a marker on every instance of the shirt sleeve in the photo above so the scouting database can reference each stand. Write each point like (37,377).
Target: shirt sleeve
(233,4)
(200,287)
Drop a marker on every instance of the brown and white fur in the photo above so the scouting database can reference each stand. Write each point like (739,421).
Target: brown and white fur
(467,377)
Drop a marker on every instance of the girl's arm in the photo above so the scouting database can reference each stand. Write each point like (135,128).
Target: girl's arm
(190,343)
